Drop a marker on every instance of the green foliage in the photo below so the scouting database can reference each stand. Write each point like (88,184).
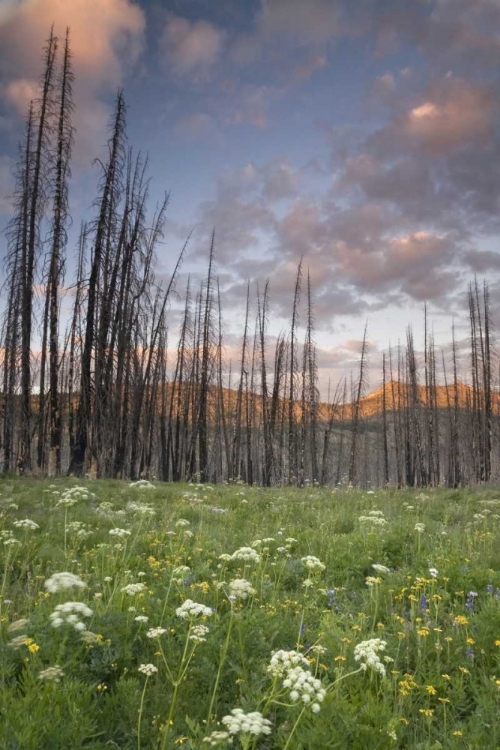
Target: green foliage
(309,586)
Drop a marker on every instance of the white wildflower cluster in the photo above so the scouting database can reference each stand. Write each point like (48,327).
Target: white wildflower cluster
(141,618)
(216,738)
(282,661)
(142,484)
(120,533)
(246,554)
(380,568)
(313,563)
(215,509)
(147,669)
(181,570)
(79,529)
(90,638)
(26,523)
(434,572)
(367,652)
(240,588)
(182,523)
(155,632)
(198,633)
(133,588)
(51,674)
(253,723)
(141,509)
(11,542)
(189,609)
(62,581)
(373,519)
(73,495)
(419,528)
(304,687)
(266,540)
(70,613)
(225,557)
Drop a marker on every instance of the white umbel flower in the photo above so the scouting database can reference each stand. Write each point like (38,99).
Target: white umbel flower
(313,563)
(70,613)
(142,484)
(189,609)
(240,588)
(304,686)
(380,568)
(26,523)
(155,632)
(367,652)
(120,533)
(148,669)
(133,588)
(51,674)
(282,661)
(198,633)
(62,581)
(253,723)
(246,554)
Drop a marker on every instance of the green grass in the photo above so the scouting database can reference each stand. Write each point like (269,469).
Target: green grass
(441,687)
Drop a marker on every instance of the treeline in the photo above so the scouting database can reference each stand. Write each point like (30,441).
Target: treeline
(93,391)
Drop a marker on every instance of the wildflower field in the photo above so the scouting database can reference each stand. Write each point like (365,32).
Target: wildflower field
(158,616)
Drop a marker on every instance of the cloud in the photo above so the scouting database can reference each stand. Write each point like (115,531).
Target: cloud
(199,126)
(191,48)
(106,38)
(433,164)
(305,71)
(251,107)
(280,181)
(104,33)
(314,22)
(482,261)
(6,185)
(455,113)
(19,93)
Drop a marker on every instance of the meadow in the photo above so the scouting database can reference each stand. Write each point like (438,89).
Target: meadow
(151,615)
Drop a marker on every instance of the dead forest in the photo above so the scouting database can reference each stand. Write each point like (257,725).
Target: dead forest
(94,392)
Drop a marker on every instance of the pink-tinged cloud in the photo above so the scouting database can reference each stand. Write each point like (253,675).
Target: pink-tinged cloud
(6,185)
(104,34)
(191,48)
(106,38)
(251,107)
(305,71)
(19,93)
(200,126)
(303,23)
(420,263)
(452,116)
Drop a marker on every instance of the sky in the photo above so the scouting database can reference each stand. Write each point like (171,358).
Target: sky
(360,135)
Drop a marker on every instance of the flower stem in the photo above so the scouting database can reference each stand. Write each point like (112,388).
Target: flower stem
(219,671)
(140,715)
